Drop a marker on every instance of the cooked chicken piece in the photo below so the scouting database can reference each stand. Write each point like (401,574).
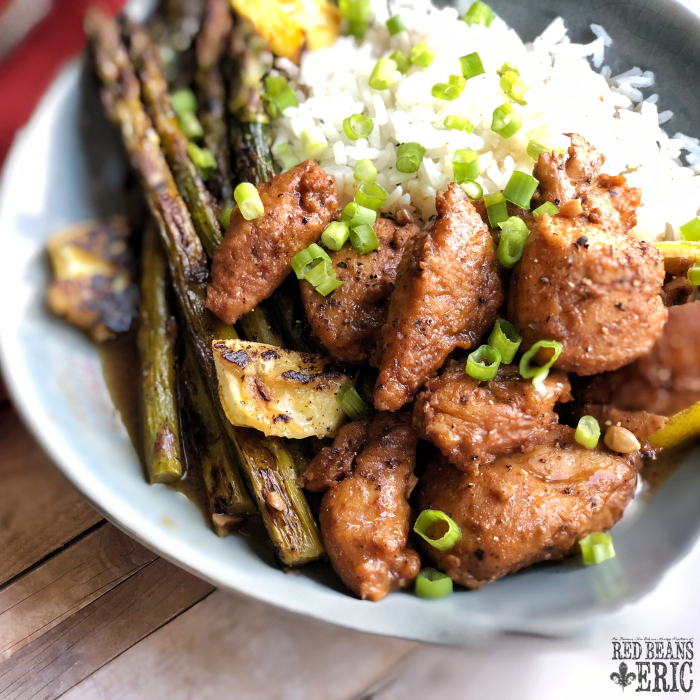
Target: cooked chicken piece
(448,292)
(592,288)
(665,381)
(640,423)
(526,508)
(254,257)
(473,422)
(93,286)
(348,320)
(365,513)
(606,200)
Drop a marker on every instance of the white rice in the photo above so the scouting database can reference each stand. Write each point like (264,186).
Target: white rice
(566,95)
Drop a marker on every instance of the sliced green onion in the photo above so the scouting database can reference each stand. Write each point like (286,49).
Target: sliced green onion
(424,527)
(472,189)
(335,235)
(597,547)
(507,68)
(302,261)
(528,371)
(286,156)
(513,85)
(520,189)
(465,164)
(471,66)
(422,54)
(276,105)
(505,339)
(479,13)
(546,208)
(204,159)
(357,126)
(395,25)
(371,196)
(483,363)
(365,171)
(183,102)
(249,202)
(355,10)
(535,149)
(449,91)
(358,29)
(364,239)
(512,242)
(190,126)
(401,60)
(409,156)
(506,121)
(694,275)
(314,141)
(356,215)
(383,74)
(458,122)
(275,85)
(433,584)
(225,217)
(514,225)
(691,230)
(587,432)
(322,276)
(496,208)
(351,402)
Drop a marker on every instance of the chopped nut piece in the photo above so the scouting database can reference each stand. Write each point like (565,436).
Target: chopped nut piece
(621,440)
(274,500)
(571,208)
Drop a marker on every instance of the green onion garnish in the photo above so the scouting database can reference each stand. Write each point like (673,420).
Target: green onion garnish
(514,87)
(371,196)
(520,189)
(587,432)
(507,68)
(286,156)
(355,10)
(357,29)
(356,215)
(496,208)
(225,217)
(409,156)
(512,242)
(183,102)
(422,54)
(365,171)
(433,584)
(190,126)
(351,402)
(471,66)
(302,261)
(505,339)
(546,208)
(278,96)
(506,121)
(539,374)
(357,126)
(204,159)
(694,275)
(395,25)
(322,276)
(364,239)
(479,13)
(472,189)
(691,230)
(451,90)
(535,149)
(383,74)
(458,122)
(314,141)
(401,61)
(465,164)
(249,201)
(335,235)
(597,547)
(446,535)
(483,363)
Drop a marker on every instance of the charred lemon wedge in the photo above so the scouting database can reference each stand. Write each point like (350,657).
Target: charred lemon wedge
(681,427)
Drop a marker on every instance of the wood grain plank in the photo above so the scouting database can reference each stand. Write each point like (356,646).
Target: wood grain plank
(225,647)
(71,651)
(39,510)
(66,583)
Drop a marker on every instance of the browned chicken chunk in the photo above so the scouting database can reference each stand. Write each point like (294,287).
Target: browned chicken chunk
(348,321)
(365,513)
(605,199)
(592,288)
(526,508)
(254,257)
(473,422)
(665,381)
(448,292)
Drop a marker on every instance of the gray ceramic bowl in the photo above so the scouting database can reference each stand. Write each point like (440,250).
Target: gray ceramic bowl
(66,166)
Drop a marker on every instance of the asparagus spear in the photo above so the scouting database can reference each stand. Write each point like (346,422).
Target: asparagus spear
(156,343)
(211,93)
(205,214)
(266,463)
